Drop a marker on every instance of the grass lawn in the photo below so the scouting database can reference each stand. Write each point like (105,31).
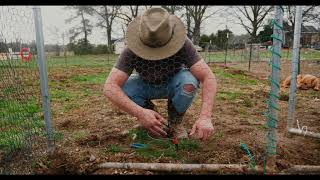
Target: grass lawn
(68,99)
(239,55)
(103,60)
(20,122)
(74,80)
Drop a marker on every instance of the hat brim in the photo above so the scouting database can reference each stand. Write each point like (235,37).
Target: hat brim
(172,47)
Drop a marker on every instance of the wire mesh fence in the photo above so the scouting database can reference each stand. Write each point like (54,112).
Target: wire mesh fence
(21,119)
(77,81)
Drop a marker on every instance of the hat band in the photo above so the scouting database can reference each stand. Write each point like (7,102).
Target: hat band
(157,46)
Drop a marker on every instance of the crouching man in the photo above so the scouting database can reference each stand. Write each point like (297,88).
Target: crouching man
(168,67)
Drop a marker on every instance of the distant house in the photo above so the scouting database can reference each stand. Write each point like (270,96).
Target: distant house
(119,45)
(10,55)
(310,36)
(198,48)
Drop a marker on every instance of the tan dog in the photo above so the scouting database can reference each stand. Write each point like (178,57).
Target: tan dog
(308,82)
(317,84)
(287,81)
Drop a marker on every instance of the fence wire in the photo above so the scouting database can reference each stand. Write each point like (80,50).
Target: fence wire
(21,119)
(74,78)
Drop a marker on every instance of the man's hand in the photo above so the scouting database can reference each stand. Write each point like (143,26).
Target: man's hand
(202,129)
(152,121)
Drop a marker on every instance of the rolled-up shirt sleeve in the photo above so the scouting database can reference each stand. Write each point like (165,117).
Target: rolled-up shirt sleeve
(192,54)
(125,62)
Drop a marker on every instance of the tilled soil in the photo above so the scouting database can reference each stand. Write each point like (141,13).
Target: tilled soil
(236,120)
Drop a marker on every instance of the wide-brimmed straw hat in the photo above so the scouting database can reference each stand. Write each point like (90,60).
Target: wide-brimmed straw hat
(156,34)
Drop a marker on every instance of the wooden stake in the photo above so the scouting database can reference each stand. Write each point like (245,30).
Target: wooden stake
(177,167)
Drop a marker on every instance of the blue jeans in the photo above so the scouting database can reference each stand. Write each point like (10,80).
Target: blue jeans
(140,92)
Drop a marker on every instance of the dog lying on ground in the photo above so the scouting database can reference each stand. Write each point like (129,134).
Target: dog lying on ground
(317,84)
(287,81)
(309,82)
(304,82)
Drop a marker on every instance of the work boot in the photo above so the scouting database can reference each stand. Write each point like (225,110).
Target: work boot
(150,105)
(175,118)
(179,131)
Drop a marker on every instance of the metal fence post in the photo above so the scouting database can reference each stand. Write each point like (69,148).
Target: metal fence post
(250,56)
(43,76)
(275,79)
(294,67)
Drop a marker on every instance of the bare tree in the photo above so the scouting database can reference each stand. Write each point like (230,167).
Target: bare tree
(56,35)
(128,13)
(106,16)
(309,14)
(254,15)
(188,21)
(173,9)
(84,27)
(196,15)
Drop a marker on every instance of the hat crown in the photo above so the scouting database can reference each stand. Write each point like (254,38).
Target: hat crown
(155,28)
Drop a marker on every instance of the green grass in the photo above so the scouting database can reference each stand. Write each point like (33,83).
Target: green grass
(63,95)
(103,60)
(20,111)
(78,135)
(115,148)
(8,91)
(15,111)
(162,148)
(19,121)
(18,64)
(262,127)
(248,102)
(243,112)
(90,79)
(229,95)
(242,79)
(306,54)
(69,99)
(58,136)
(218,135)
(310,94)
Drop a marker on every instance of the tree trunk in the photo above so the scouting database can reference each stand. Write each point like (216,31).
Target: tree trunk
(254,35)
(84,29)
(109,38)
(188,22)
(196,33)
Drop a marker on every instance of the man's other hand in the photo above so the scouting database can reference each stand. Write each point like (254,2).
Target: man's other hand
(153,121)
(202,129)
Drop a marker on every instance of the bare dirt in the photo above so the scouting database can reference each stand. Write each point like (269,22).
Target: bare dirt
(89,129)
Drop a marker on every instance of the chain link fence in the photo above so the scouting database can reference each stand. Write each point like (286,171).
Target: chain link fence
(22,127)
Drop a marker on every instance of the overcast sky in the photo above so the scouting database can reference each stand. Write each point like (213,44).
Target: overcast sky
(17,22)
(54,16)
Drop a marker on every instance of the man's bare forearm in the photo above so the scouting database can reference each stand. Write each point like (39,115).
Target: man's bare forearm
(116,95)
(209,91)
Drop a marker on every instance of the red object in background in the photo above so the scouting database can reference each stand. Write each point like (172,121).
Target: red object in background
(269,43)
(175,140)
(27,58)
